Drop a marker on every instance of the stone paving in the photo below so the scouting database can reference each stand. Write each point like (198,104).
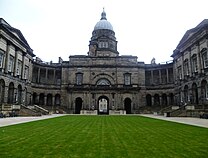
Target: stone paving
(16,120)
(185,120)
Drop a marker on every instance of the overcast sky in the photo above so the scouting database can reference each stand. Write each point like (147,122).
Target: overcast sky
(143,28)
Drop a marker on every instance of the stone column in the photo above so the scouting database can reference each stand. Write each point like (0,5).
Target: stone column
(199,62)
(23,97)
(200,100)
(45,100)
(182,68)
(37,99)
(160,77)
(23,66)
(15,63)
(38,75)
(189,63)
(7,58)
(167,75)
(152,79)
(160,98)
(46,76)
(15,97)
(168,100)
(6,94)
(153,103)
(53,100)
(54,77)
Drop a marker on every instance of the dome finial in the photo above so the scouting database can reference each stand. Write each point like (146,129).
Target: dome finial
(103,15)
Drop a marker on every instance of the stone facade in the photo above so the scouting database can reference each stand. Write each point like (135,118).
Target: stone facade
(101,81)
(191,66)
(16,58)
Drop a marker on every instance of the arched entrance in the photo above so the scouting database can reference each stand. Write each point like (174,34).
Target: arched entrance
(41,99)
(49,100)
(171,99)
(103,105)
(35,99)
(164,100)
(148,100)
(195,94)
(203,91)
(127,105)
(19,94)
(78,105)
(11,93)
(2,91)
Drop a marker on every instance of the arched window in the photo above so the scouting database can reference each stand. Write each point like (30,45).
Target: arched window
(19,94)
(148,100)
(2,90)
(103,82)
(204,57)
(11,93)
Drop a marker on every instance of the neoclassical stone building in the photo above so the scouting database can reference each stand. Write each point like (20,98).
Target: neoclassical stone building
(102,81)
(191,66)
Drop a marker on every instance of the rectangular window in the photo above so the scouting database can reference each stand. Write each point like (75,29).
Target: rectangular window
(1,59)
(26,72)
(19,67)
(11,64)
(127,79)
(205,60)
(179,73)
(194,63)
(186,67)
(103,45)
(79,78)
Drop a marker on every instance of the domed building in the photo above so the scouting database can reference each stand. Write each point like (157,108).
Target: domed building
(102,81)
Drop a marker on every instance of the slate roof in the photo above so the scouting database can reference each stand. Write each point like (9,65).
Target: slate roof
(191,32)
(17,34)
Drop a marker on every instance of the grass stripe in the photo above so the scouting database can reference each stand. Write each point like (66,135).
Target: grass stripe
(103,136)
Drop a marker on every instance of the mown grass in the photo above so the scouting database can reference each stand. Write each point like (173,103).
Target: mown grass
(103,136)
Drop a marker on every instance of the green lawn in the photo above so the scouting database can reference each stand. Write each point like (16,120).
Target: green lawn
(103,136)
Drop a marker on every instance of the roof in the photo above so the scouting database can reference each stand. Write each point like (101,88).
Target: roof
(103,23)
(16,34)
(191,32)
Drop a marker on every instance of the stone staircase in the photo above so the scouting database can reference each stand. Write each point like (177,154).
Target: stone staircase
(188,110)
(8,110)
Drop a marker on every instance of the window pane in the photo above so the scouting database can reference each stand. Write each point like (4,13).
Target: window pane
(79,78)
(127,79)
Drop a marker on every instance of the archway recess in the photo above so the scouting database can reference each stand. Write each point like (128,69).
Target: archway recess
(103,105)
(127,105)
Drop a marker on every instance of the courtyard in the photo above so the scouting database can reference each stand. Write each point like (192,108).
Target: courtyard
(103,136)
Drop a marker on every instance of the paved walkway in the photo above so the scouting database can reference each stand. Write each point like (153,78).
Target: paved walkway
(185,120)
(16,120)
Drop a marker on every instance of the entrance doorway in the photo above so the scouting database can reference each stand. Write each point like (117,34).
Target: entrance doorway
(103,105)
(78,105)
(127,105)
